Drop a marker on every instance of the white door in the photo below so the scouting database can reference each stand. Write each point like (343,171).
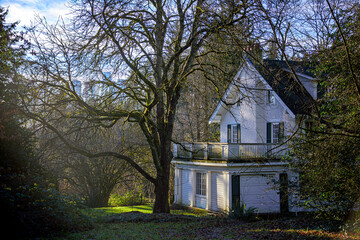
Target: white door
(255,191)
(187,184)
(217,191)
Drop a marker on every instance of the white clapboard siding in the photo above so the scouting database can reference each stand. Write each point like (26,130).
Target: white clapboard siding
(256,192)
(186,180)
(214,193)
(200,201)
(218,200)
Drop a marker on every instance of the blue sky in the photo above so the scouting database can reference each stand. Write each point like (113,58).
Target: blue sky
(25,10)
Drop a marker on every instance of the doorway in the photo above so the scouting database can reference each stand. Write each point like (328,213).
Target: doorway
(284,193)
(235,189)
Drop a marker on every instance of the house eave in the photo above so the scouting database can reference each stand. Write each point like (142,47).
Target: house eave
(216,117)
(299,74)
(275,94)
(229,164)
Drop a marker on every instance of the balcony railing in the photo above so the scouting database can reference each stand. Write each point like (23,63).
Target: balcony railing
(228,151)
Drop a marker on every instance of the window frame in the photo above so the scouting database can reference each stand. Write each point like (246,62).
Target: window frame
(234,133)
(275,137)
(275,133)
(201,183)
(270,97)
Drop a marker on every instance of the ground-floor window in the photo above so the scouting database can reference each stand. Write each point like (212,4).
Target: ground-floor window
(201,183)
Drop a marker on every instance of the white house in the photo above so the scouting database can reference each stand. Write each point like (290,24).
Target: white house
(260,109)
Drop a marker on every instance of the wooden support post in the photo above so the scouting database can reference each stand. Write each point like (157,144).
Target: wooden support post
(193,199)
(225,152)
(206,151)
(208,190)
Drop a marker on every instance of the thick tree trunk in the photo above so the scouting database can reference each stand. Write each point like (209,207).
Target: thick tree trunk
(161,204)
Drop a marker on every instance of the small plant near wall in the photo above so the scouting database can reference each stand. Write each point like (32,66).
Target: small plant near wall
(240,212)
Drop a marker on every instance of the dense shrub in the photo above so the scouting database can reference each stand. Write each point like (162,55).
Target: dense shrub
(352,225)
(29,201)
(35,208)
(128,199)
(239,211)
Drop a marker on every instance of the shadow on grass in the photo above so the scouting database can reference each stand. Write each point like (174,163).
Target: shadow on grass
(291,234)
(202,228)
(174,226)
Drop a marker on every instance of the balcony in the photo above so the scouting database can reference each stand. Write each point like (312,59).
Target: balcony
(228,151)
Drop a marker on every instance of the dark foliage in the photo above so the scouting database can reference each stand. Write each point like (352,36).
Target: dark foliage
(328,150)
(240,212)
(29,202)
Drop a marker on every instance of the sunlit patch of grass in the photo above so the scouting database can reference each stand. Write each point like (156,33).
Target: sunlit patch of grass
(190,212)
(116,210)
(101,213)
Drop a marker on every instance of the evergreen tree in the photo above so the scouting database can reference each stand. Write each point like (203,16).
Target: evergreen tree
(30,204)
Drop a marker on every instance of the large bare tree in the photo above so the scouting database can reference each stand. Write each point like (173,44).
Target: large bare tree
(133,57)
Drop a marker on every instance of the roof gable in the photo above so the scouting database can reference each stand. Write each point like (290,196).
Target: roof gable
(279,78)
(278,75)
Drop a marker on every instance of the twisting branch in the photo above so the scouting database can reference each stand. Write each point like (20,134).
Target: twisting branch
(73,146)
(348,56)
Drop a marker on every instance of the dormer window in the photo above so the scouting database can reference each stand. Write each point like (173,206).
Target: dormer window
(274,132)
(238,101)
(270,98)
(234,133)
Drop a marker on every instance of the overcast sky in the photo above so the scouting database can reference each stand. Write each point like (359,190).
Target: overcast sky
(25,10)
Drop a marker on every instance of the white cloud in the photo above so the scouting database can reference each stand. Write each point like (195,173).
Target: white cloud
(25,10)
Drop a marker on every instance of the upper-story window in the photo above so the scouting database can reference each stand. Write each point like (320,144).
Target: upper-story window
(270,97)
(274,132)
(234,133)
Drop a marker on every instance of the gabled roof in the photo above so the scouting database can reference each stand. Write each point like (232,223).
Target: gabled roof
(279,77)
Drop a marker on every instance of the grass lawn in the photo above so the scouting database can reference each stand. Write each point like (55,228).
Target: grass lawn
(194,225)
(99,214)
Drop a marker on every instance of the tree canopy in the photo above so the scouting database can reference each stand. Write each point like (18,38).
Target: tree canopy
(149,48)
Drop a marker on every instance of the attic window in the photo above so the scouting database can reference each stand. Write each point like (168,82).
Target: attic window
(270,98)
(274,132)
(238,102)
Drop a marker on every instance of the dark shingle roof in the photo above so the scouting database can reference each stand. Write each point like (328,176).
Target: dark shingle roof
(278,75)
